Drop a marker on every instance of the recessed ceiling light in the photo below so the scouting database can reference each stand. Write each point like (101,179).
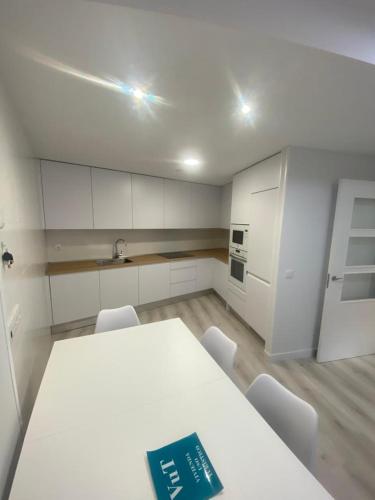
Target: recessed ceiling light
(191,162)
(138,93)
(245,109)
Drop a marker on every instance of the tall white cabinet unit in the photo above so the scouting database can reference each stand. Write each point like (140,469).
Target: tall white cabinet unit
(148,202)
(67,196)
(257,201)
(111,199)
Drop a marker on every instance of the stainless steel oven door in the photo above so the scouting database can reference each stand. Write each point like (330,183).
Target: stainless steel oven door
(237,271)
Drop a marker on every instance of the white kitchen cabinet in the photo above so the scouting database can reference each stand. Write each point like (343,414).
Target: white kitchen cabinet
(204,273)
(241,190)
(258,305)
(67,196)
(266,174)
(264,208)
(225,208)
(220,278)
(205,206)
(74,296)
(148,202)
(182,277)
(153,283)
(112,199)
(119,287)
(177,204)
(236,298)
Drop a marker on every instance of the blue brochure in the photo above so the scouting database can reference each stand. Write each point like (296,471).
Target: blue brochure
(183,471)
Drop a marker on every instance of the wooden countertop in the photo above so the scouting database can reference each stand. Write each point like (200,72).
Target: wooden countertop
(79,266)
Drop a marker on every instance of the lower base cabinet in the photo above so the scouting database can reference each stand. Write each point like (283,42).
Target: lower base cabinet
(81,295)
(236,298)
(119,287)
(74,296)
(153,283)
(220,278)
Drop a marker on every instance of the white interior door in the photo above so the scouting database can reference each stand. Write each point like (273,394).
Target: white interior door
(9,416)
(348,322)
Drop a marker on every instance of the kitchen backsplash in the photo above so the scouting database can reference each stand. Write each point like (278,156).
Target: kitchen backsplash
(65,245)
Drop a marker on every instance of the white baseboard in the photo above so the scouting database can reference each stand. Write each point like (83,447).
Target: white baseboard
(300,354)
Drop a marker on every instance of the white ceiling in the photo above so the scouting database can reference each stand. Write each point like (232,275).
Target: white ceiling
(345,27)
(58,61)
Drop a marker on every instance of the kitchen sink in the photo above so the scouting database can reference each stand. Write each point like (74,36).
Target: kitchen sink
(175,255)
(108,262)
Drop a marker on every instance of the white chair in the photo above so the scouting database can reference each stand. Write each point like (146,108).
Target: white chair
(294,420)
(221,348)
(115,319)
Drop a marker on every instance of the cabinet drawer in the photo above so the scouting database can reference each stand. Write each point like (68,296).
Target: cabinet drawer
(183,288)
(184,274)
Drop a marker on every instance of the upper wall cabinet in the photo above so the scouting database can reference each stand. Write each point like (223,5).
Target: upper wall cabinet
(112,199)
(177,204)
(67,196)
(226,201)
(262,176)
(148,202)
(241,190)
(266,174)
(205,206)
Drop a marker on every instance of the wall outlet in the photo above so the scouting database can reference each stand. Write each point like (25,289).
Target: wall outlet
(289,274)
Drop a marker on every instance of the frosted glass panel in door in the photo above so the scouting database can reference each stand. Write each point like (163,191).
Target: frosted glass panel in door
(363,213)
(261,243)
(361,252)
(358,286)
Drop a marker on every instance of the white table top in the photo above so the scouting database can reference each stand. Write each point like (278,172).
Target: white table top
(107,398)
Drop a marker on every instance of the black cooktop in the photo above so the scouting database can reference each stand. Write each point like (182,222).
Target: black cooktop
(175,255)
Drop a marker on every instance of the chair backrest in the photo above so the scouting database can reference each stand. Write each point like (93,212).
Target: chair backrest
(115,319)
(221,348)
(294,420)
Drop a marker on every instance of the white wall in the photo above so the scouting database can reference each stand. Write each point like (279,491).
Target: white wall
(25,284)
(309,204)
(91,244)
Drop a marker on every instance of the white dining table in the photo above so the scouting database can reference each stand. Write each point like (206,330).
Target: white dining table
(106,399)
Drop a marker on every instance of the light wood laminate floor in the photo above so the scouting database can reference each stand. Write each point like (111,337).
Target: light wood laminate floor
(342,392)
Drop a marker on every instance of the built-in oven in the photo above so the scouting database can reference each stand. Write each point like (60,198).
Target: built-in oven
(237,268)
(238,236)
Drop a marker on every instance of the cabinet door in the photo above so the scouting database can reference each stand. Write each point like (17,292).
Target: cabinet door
(67,196)
(153,283)
(266,174)
(264,214)
(258,305)
(177,204)
(205,201)
(74,296)
(148,202)
(240,197)
(118,287)
(204,274)
(112,201)
(220,278)
(225,209)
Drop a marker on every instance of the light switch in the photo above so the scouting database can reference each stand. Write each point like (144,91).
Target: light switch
(289,274)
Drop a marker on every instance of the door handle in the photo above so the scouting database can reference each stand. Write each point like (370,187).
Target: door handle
(336,278)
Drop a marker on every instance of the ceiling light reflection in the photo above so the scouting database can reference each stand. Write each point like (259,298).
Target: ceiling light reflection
(138,93)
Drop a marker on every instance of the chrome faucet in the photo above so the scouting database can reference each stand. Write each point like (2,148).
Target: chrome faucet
(116,254)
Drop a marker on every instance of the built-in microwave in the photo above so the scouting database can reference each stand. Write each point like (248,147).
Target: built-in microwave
(238,236)
(237,268)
